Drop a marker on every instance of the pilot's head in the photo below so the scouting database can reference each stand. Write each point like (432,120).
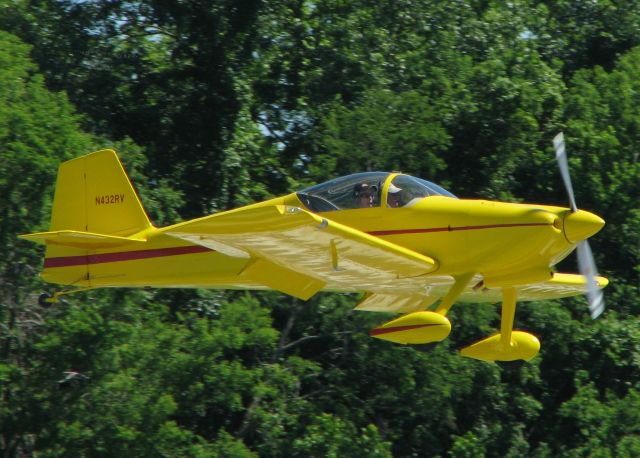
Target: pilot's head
(393,196)
(363,194)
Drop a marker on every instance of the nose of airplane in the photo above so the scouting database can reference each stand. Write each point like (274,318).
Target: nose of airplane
(581,225)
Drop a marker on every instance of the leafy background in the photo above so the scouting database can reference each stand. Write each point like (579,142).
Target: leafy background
(219,103)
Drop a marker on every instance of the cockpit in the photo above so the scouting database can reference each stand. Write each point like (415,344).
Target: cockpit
(369,189)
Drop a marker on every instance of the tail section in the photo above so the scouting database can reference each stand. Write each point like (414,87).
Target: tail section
(94,194)
(95,208)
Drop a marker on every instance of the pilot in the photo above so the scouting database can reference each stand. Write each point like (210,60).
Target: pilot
(393,196)
(363,195)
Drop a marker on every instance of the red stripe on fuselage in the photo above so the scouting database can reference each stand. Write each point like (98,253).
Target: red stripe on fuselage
(378,331)
(451,229)
(67,261)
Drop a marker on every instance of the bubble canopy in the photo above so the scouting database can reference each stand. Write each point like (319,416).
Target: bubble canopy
(369,189)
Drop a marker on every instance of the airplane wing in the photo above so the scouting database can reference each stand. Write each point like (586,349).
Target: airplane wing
(299,253)
(560,285)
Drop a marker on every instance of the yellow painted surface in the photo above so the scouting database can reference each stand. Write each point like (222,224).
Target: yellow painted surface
(405,259)
(414,328)
(410,252)
(522,345)
(94,194)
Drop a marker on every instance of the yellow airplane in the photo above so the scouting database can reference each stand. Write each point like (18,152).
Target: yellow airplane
(412,247)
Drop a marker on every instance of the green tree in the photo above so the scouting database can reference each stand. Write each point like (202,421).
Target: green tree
(234,102)
(385,132)
(37,129)
(161,74)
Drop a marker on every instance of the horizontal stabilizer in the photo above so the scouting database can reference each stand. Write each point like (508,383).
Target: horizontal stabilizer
(77,239)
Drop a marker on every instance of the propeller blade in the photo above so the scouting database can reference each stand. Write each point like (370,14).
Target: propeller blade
(561,156)
(587,266)
(586,262)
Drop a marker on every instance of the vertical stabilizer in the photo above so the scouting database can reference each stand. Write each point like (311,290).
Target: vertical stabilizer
(94,194)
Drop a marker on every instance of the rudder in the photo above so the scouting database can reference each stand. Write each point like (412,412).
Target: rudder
(94,194)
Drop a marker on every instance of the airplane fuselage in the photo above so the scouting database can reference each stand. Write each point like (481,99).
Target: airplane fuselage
(505,243)
(411,246)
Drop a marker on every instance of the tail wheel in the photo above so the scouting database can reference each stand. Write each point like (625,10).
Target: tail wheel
(45,300)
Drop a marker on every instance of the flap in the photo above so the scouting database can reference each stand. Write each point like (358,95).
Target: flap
(282,279)
(312,246)
(77,239)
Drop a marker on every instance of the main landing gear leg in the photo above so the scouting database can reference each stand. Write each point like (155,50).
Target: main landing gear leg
(458,287)
(508,345)
(423,329)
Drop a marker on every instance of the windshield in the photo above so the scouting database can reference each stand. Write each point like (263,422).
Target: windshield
(360,190)
(406,190)
(365,190)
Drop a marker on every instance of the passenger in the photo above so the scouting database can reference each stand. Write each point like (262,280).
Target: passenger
(363,195)
(393,196)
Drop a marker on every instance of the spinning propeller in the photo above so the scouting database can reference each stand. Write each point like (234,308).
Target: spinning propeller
(586,263)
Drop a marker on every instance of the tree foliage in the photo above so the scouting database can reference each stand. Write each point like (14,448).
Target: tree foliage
(218,103)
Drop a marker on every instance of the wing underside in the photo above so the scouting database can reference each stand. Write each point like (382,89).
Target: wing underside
(300,253)
(559,286)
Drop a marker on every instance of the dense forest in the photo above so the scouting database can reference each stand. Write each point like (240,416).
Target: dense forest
(214,104)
